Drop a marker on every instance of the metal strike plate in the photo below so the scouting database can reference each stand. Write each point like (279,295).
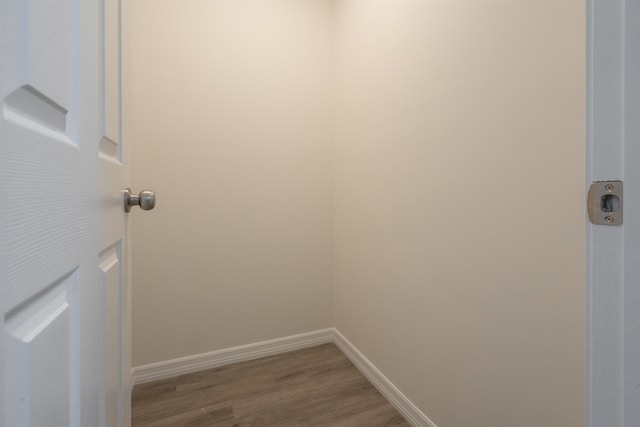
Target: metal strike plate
(604,203)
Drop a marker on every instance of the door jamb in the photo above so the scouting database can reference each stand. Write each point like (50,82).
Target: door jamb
(613,253)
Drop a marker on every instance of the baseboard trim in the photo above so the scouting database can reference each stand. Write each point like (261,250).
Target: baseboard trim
(409,411)
(185,365)
(214,359)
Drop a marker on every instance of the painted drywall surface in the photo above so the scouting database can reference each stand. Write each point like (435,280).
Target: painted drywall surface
(459,177)
(231,122)
(458,192)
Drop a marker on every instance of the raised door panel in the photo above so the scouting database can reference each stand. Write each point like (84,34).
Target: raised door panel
(38,84)
(111,278)
(40,357)
(110,142)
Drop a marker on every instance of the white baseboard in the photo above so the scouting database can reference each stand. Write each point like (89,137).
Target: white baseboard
(185,365)
(214,359)
(409,411)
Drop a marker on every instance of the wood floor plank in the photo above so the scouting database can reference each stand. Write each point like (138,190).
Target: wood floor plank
(219,414)
(317,386)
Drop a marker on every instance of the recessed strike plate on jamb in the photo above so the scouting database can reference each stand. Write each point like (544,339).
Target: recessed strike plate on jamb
(604,203)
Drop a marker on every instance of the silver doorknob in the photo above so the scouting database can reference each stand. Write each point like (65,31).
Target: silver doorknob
(146,200)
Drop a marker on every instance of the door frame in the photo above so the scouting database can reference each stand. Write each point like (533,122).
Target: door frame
(613,253)
(612,94)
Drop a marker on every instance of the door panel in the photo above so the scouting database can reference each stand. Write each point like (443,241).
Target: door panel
(43,34)
(39,336)
(110,268)
(63,230)
(109,144)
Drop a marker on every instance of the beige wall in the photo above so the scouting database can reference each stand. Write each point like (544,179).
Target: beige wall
(443,235)
(459,210)
(231,111)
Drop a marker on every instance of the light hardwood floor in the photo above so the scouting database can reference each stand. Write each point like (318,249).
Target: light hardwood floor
(312,387)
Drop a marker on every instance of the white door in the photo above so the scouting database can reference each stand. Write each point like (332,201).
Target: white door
(613,252)
(63,233)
